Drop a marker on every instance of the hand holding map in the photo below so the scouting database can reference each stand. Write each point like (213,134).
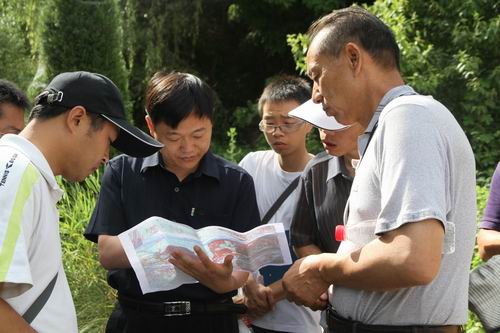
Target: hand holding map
(149,245)
(218,277)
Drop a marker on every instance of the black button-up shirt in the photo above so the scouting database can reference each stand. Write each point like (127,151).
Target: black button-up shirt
(134,189)
(324,188)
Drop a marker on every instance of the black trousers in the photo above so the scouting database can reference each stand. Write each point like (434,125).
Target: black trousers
(128,321)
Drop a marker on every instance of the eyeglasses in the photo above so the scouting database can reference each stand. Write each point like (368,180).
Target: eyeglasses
(285,128)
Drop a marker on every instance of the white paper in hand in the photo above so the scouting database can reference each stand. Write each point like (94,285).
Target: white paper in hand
(148,246)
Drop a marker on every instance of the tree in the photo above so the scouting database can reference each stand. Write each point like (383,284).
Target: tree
(82,35)
(159,35)
(449,49)
(16,57)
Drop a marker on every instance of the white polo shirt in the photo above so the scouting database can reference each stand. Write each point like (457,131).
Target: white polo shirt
(30,246)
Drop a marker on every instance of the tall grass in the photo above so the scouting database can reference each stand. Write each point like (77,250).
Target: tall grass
(93,297)
(473,325)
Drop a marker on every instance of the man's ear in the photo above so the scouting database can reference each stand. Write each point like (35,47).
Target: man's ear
(308,127)
(151,126)
(75,117)
(354,57)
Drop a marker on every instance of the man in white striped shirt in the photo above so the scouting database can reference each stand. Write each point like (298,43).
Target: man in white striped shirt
(71,127)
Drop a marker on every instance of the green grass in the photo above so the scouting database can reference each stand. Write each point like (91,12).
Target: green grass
(473,325)
(93,297)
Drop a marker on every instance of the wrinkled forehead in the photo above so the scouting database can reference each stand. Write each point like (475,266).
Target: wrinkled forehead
(313,57)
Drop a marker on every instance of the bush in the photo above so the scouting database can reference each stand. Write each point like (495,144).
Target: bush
(16,64)
(448,50)
(93,297)
(83,35)
(474,325)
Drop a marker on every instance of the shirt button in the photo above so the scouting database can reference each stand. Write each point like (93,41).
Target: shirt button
(176,189)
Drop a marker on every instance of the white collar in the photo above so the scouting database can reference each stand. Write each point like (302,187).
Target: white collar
(28,149)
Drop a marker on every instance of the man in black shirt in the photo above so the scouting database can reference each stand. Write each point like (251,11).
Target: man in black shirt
(185,183)
(324,186)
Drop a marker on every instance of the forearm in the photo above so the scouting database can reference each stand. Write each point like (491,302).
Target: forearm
(400,259)
(277,290)
(306,250)
(111,253)
(12,321)
(488,242)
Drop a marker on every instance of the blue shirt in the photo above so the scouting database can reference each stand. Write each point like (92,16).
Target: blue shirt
(134,189)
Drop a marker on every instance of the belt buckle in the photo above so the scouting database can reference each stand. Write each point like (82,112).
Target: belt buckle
(181,308)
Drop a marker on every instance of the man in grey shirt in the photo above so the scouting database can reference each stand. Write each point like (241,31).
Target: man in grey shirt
(410,218)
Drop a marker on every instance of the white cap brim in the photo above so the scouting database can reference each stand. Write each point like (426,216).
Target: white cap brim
(314,114)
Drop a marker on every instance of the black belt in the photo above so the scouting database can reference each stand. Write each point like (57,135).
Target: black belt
(181,308)
(338,324)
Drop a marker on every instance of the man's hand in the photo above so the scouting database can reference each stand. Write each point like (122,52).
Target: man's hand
(218,277)
(258,298)
(303,283)
(488,242)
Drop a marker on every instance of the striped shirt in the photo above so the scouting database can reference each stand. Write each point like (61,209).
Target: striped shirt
(323,191)
(30,246)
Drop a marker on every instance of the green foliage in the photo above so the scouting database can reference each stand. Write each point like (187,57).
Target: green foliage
(159,35)
(474,325)
(450,50)
(16,63)
(313,142)
(233,153)
(72,41)
(93,297)
(299,44)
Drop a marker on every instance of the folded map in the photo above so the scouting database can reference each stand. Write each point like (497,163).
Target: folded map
(149,244)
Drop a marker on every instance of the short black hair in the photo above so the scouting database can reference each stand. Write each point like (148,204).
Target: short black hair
(355,24)
(172,97)
(10,93)
(285,88)
(47,111)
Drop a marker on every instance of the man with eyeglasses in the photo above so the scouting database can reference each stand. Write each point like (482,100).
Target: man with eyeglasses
(274,172)
(13,103)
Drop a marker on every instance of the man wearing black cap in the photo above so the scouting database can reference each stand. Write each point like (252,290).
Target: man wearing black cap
(73,123)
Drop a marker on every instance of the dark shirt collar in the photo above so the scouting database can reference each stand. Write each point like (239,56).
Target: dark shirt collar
(208,165)
(336,166)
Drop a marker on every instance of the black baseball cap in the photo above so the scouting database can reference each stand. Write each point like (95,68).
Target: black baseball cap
(99,95)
